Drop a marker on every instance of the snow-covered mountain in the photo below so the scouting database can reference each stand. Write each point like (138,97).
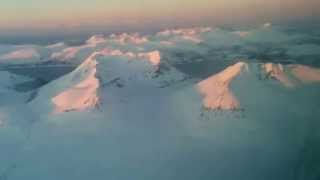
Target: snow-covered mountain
(217,92)
(105,69)
(193,103)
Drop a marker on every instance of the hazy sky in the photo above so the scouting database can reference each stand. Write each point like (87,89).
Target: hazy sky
(76,13)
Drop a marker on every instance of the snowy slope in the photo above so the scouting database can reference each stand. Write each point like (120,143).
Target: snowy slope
(84,93)
(133,111)
(12,99)
(79,89)
(217,92)
(76,90)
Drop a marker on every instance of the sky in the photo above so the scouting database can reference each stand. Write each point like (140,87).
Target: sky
(74,14)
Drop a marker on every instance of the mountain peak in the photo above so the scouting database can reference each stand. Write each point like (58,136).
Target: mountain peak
(82,94)
(216,91)
(217,94)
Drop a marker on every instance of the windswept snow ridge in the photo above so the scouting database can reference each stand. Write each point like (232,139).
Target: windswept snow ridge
(75,91)
(216,89)
(292,75)
(277,71)
(79,89)
(83,94)
(217,93)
